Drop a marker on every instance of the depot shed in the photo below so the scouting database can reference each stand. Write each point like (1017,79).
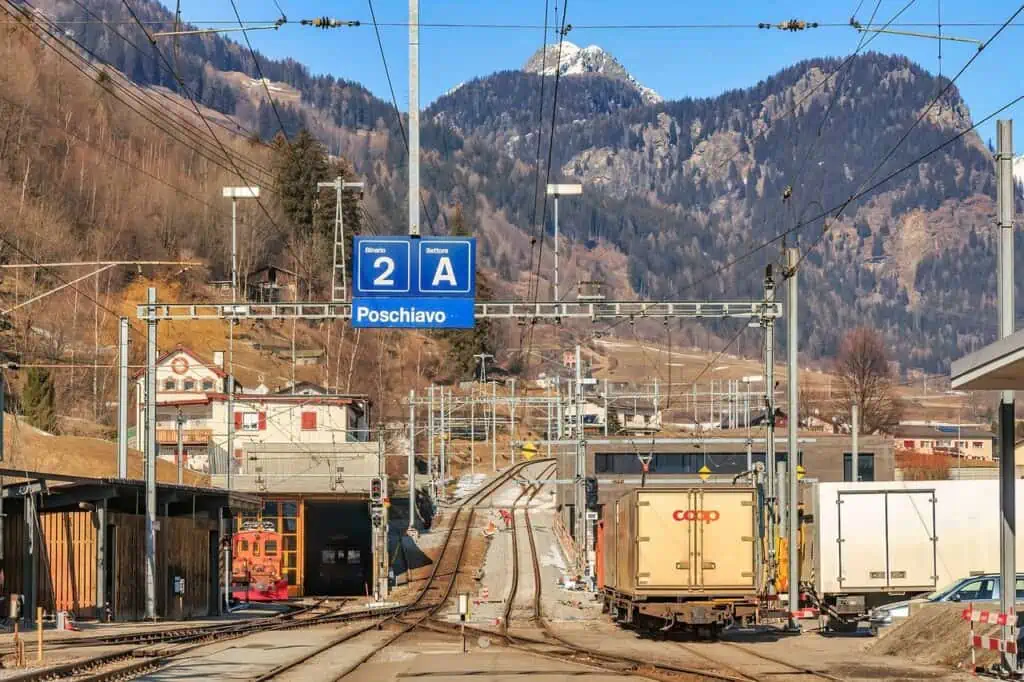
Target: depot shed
(77,544)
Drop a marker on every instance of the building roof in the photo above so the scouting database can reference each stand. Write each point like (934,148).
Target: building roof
(998,366)
(918,432)
(192,354)
(270,266)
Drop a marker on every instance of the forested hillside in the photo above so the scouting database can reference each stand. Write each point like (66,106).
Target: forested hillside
(686,188)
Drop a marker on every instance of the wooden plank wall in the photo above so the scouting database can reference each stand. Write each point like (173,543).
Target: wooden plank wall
(182,549)
(14,551)
(67,570)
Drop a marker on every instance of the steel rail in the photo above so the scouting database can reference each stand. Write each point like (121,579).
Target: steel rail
(394,614)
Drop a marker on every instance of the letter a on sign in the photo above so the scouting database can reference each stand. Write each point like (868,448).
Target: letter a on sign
(444,273)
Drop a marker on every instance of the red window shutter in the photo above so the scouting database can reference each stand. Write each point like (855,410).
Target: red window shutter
(309,421)
(238,420)
(263,421)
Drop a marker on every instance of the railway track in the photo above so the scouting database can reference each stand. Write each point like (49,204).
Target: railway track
(514,583)
(740,659)
(428,604)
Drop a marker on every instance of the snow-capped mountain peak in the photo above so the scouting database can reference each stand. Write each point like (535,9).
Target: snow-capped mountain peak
(576,60)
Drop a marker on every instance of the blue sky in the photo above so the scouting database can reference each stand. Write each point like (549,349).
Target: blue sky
(675,62)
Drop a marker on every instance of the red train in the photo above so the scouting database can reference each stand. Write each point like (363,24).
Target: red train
(257,563)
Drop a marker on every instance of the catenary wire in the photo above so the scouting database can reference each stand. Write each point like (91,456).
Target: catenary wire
(259,69)
(906,134)
(80,64)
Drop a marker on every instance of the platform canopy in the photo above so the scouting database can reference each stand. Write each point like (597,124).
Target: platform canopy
(998,366)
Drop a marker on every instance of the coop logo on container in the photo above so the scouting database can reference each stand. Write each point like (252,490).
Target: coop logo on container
(695,515)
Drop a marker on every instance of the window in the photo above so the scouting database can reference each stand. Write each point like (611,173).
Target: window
(976,590)
(1020,589)
(908,444)
(244,545)
(354,556)
(170,385)
(327,556)
(207,384)
(251,421)
(926,444)
(255,549)
(309,421)
(270,547)
(865,466)
(977,444)
(189,385)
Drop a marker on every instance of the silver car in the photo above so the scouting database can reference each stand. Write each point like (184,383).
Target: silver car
(977,588)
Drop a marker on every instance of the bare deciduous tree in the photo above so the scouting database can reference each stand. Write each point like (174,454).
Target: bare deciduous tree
(866,380)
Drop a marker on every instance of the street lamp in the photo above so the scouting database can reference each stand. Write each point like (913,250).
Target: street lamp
(557,191)
(339,186)
(236,193)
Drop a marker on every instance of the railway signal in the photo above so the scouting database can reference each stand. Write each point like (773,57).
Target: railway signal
(377,490)
(591,488)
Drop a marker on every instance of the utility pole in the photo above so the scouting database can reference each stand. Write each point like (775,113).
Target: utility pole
(122,400)
(414,118)
(793,370)
(339,185)
(606,407)
(581,465)
(150,546)
(180,422)
(769,377)
(483,365)
(512,424)
(430,437)
(472,431)
(494,426)
(380,524)
(444,438)
(1007,501)
(412,461)
(854,435)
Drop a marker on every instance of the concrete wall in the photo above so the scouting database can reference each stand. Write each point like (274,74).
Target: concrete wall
(275,467)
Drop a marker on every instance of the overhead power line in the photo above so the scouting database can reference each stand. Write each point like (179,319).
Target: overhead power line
(259,70)
(179,129)
(184,88)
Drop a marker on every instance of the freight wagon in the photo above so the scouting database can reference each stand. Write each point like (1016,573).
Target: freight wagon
(871,543)
(682,558)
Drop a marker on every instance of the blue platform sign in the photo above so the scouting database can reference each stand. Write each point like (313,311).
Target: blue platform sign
(401,282)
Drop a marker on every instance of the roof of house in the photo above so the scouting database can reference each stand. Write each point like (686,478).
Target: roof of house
(273,267)
(917,432)
(192,354)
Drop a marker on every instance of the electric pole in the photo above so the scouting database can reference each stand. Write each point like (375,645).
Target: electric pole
(1007,501)
(339,185)
(769,399)
(150,545)
(483,365)
(792,349)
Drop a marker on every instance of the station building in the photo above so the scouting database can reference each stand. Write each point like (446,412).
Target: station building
(303,450)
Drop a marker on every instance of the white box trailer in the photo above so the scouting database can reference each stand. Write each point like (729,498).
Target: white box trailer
(903,537)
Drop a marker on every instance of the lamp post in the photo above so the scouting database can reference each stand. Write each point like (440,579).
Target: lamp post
(557,191)
(236,193)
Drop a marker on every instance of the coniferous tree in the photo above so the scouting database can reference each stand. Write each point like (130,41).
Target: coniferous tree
(39,400)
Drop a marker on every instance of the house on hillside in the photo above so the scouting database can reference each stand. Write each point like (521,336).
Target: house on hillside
(968,442)
(634,417)
(271,284)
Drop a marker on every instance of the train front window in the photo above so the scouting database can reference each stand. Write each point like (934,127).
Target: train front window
(243,546)
(270,548)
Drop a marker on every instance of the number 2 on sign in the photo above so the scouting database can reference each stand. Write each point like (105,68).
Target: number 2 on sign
(384,279)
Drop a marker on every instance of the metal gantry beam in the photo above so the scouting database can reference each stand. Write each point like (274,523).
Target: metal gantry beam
(542,311)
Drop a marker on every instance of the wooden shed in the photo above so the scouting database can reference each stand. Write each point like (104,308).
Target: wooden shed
(78,544)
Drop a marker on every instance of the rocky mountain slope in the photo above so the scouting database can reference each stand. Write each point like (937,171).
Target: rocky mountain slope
(572,60)
(678,193)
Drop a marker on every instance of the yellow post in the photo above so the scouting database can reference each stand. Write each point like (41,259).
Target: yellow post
(39,634)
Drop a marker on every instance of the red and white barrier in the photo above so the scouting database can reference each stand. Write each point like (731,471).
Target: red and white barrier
(989,617)
(1008,646)
(993,644)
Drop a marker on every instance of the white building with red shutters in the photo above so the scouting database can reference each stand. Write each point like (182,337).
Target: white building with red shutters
(303,438)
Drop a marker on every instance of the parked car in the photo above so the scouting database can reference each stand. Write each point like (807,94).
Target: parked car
(977,588)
